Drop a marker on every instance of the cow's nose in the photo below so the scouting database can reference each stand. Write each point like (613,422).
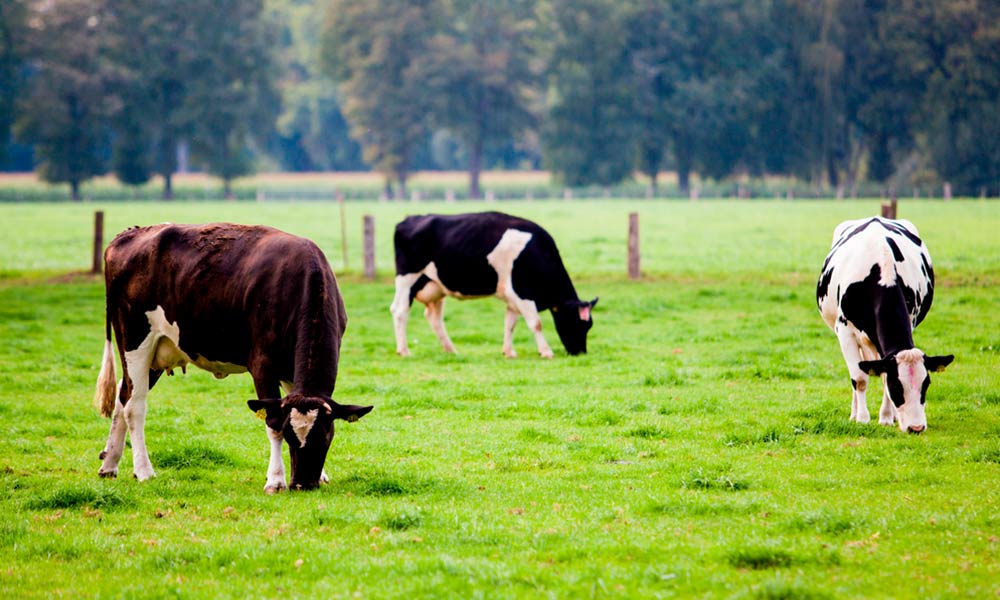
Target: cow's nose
(916,428)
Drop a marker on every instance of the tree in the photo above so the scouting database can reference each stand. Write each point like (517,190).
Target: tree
(589,134)
(67,109)
(152,50)
(13,23)
(369,48)
(312,133)
(231,101)
(952,46)
(480,78)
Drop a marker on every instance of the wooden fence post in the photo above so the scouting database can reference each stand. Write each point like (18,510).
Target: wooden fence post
(369,230)
(947,191)
(889,209)
(343,227)
(98,241)
(633,246)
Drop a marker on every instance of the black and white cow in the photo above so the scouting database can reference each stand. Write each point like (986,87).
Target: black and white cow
(228,299)
(486,254)
(876,286)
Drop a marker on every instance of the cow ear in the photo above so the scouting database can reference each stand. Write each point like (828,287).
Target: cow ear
(263,407)
(876,367)
(349,412)
(593,302)
(938,363)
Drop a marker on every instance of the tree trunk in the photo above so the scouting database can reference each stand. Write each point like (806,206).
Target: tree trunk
(74,190)
(402,186)
(168,186)
(475,166)
(682,152)
(227,189)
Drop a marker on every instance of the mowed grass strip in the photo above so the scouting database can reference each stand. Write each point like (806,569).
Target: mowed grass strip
(702,447)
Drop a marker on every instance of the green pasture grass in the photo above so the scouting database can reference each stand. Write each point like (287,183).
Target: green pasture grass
(701,448)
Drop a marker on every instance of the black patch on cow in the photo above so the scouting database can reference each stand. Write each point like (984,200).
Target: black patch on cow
(823,286)
(895,386)
(854,384)
(923,389)
(880,312)
(897,255)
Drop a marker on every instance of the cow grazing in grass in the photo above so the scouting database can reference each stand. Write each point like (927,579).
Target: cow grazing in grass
(228,299)
(876,286)
(486,254)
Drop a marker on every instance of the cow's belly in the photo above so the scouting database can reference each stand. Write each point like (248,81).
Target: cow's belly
(168,356)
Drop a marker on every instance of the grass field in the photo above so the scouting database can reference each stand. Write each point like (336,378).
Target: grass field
(701,449)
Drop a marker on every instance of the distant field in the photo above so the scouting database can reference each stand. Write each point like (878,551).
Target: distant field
(702,447)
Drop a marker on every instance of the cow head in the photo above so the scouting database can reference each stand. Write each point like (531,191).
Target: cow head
(573,321)
(907,379)
(306,423)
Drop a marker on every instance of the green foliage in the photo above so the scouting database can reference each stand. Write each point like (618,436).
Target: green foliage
(66,109)
(370,48)
(588,134)
(479,475)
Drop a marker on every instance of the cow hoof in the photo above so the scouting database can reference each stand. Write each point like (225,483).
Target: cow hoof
(107,474)
(144,476)
(548,354)
(403,352)
(889,421)
(274,488)
(510,354)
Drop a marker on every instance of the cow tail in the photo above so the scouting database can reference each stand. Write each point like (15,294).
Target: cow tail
(104,394)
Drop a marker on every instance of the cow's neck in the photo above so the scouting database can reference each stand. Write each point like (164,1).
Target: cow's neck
(892,322)
(318,333)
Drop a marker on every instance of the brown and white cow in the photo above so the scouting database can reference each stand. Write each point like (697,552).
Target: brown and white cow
(876,286)
(476,255)
(228,299)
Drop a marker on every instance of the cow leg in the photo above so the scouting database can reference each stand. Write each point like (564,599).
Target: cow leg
(509,321)
(112,452)
(859,379)
(887,414)
(434,312)
(275,466)
(135,410)
(269,387)
(400,309)
(534,322)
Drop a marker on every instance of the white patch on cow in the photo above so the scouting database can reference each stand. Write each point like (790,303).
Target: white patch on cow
(302,423)
(912,373)
(502,258)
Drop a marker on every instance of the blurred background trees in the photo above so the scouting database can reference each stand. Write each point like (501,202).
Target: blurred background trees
(832,92)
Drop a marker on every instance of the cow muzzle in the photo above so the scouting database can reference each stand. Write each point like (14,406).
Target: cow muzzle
(916,428)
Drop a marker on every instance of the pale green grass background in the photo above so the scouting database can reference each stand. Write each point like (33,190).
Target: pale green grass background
(701,449)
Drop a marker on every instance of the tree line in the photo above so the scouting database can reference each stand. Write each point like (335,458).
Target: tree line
(834,92)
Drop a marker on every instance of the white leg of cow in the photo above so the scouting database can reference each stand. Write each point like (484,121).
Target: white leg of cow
(275,466)
(135,417)
(509,321)
(887,414)
(116,440)
(400,309)
(534,322)
(852,356)
(434,312)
